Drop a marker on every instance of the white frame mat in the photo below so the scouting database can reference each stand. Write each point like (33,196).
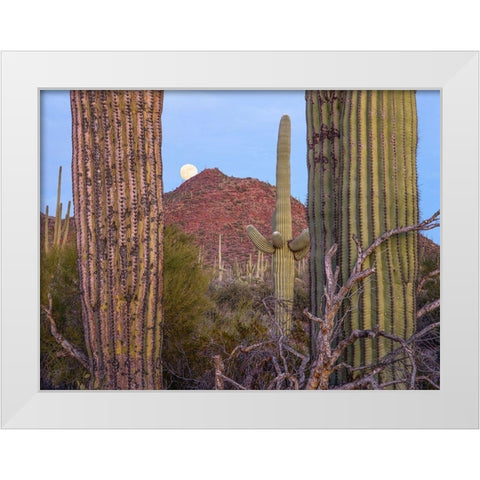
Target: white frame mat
(24,74)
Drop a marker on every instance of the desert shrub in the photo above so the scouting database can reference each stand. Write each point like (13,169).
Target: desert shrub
(186,300)
(238,313)
(59,279)
(245,334)
(230,314)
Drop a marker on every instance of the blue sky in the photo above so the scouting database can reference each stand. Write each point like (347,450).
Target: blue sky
(235,131)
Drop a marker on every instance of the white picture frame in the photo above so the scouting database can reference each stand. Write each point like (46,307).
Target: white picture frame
(24,74)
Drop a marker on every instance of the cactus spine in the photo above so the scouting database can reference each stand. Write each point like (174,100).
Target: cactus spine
(117,192)
(283,249)
(371,187)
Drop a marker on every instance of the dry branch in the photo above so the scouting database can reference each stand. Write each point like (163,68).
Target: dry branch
(243,349)
(277,381)
(427,277)
(427,224)
(219,367)
(429,307)
(66,345)
(233,382)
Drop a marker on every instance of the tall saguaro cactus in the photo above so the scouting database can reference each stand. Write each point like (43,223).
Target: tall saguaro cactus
(368,189)
(284,249)
(117,193)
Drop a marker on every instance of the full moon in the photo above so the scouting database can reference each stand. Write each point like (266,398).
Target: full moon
(188,171)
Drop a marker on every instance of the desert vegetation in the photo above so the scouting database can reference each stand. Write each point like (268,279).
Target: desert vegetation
(219,332)
(129,301)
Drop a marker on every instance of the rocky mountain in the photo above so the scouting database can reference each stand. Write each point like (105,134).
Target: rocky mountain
(212,203)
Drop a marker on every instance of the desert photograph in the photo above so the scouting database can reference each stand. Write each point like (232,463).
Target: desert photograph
(240,240)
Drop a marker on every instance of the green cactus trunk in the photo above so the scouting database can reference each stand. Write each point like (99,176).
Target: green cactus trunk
(117,193)
(374,189)
(323,110)
(284,250)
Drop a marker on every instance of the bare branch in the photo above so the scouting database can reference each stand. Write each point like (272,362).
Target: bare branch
(356,276)
(170,370)
(427,277)
(427,224)
(312,317)
(233,382)
(277,381)
(390,383)
(276,365)
(304,358)
(430,381)
(362,381)
(241,348)
(428,308)
(332,277)
(288,348)
(413,366)
(66,345)
(356,334)
(388,360)
(218,367)
(423,332)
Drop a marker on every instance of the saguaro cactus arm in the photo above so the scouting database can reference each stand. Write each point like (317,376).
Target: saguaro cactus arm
(301,253)
(302,242)
(300,246)
(259,240)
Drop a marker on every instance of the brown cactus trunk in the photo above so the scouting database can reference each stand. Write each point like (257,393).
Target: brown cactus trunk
(117,194)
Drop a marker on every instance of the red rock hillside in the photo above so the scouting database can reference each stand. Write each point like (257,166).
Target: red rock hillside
(212,203)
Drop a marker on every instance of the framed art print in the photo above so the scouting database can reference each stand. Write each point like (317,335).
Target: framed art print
(239,239)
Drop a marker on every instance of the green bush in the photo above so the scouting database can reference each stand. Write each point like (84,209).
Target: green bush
(59,278)
(186,300)
(238,314)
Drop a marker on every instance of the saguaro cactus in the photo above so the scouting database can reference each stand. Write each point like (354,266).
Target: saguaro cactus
(323,109)
(284,250)
(117,193)
(366,185)
(60,233)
